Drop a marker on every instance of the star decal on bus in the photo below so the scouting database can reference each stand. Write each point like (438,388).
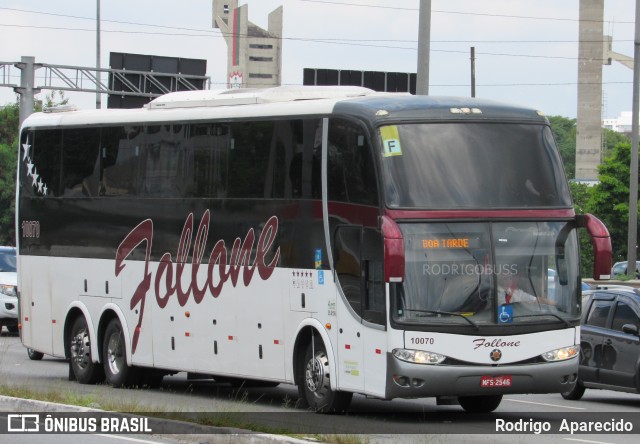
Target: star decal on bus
(37,183)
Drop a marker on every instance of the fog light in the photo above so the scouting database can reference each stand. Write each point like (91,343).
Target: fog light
(402,381)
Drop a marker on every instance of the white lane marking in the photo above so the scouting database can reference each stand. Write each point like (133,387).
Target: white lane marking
(586,440)
(126,438)
(548,405)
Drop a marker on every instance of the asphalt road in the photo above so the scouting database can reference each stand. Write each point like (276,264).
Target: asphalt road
(517,419)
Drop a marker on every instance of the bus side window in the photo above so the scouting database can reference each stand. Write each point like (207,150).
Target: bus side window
(120,153)
(207,148)
(163,172)
(80,162)
(248,159)
(351,169)
(348,264)
(373,261)
(46,152)
(359,265)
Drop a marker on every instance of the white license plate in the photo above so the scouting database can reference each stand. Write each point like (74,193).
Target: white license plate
(495,381)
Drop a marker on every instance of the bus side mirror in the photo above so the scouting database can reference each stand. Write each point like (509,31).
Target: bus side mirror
(393,250)
(601,242)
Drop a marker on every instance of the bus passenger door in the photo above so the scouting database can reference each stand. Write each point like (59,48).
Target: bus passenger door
(349,275)
(38,309)
(374,312)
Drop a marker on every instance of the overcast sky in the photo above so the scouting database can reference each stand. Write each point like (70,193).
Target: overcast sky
(526,51)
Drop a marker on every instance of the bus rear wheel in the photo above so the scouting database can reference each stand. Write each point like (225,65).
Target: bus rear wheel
(480,404)
(114,357)
(84,369)
(315,382)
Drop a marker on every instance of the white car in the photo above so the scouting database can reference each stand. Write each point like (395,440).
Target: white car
(8,289)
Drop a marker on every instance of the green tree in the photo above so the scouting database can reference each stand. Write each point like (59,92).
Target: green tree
(581,193)
(9,117)
(611,139)
(564,131)
(609,199)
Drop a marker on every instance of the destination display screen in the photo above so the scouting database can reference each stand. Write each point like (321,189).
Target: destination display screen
(450,243)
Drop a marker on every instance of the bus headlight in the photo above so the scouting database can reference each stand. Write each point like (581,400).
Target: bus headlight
(561,354)
(418,356)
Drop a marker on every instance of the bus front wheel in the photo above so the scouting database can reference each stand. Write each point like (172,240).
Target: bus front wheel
(114,357)
(480,404)
(84,369)
(575,393)
(315,383)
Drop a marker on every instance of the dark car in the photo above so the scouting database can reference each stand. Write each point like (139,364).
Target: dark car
(620,268)
(609,341)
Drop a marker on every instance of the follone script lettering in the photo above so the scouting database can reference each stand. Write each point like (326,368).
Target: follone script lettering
(228,267)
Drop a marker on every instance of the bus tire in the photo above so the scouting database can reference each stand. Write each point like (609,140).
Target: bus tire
(114,357)
(480,404)
(84,369)
(34,355)
(575,393)
(315,383)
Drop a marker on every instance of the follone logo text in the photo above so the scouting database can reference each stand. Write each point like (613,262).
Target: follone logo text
(228,267)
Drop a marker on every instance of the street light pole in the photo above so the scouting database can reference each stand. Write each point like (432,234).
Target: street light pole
(98,98)
(633,176)
(424,46)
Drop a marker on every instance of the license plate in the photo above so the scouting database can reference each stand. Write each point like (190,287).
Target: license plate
(495,381)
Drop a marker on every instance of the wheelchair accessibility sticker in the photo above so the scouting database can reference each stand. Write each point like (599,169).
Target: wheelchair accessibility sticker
(505,315)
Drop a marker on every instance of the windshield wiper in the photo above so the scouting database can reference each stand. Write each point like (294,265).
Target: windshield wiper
(544,314)
(449,313)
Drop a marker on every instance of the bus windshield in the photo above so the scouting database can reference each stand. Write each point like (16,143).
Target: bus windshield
(471,165)
(454,276)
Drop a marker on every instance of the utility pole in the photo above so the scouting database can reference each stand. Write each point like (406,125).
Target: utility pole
(473,71)
(98,98)
(26,90)
(633,177)
(424,47)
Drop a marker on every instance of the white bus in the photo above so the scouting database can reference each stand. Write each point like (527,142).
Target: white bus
(335,238)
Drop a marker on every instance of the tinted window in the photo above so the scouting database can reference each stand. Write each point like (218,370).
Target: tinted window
(259,160)
(472,165)
(248,159)
(208,145)
(44,174)
(624,314)
(599,313)
(351,170)
(80,162)
(120,150)
(165,170)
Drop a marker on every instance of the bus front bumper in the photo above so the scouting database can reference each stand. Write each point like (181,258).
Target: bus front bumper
(408,380)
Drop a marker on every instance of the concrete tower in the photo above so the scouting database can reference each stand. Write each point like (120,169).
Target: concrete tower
(589,116)
(254,55)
